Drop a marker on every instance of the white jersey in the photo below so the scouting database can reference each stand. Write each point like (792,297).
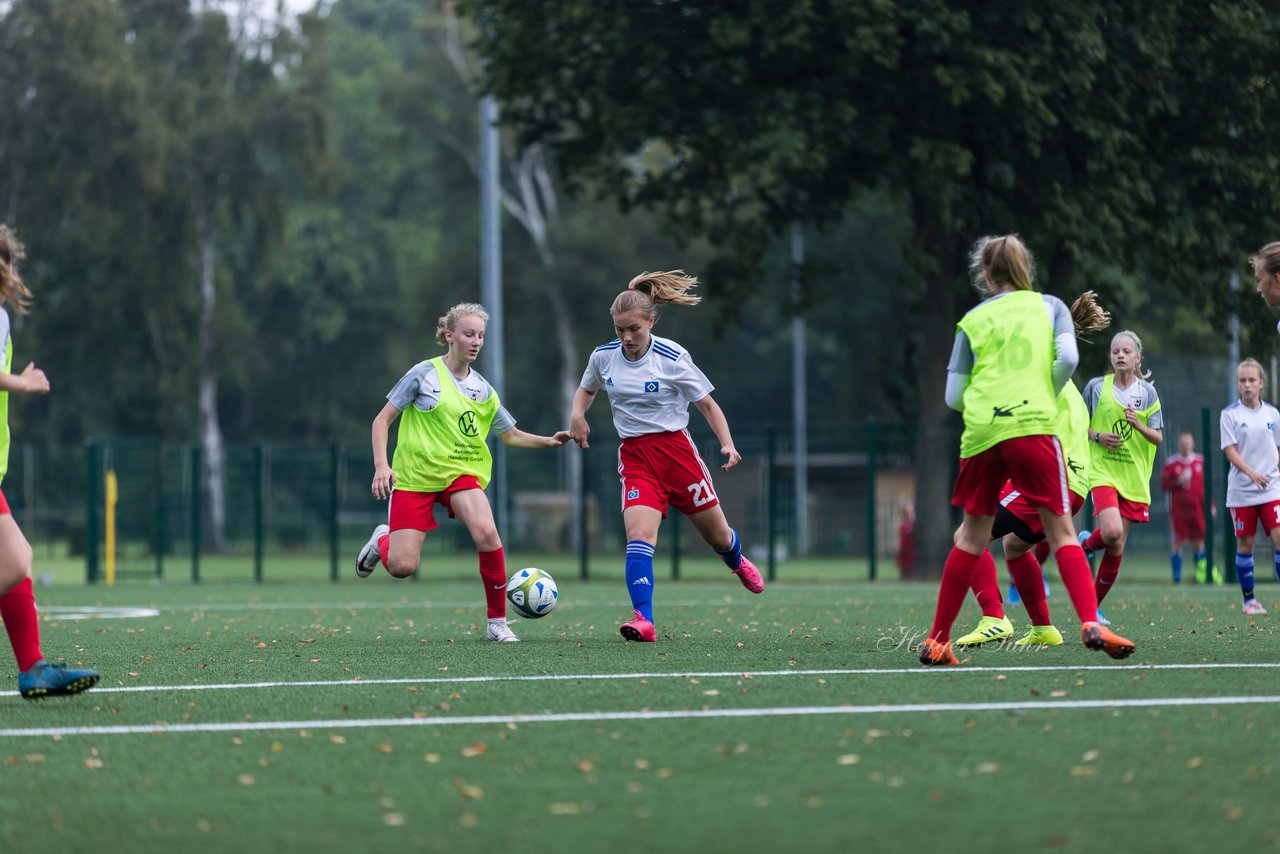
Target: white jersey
(1256,434)
(651,394)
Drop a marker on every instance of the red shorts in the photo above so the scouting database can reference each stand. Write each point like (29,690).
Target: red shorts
(1188,527)
(1246,519)
(1017,504)
(1034,466)
(665,468)
(416,510)
(1134,511)
(4,506)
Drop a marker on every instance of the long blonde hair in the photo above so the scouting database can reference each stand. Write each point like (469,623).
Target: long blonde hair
(1088,316)
(1003,260)
(648,290)
(449,320)
(12,289)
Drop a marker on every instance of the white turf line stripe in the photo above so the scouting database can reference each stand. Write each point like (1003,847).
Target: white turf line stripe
(562,717)
(707,674)
(57,612)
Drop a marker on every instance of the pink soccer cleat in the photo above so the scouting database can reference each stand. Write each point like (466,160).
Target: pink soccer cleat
(638,629)
(749,576)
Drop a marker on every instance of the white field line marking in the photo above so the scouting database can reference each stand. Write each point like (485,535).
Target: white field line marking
(50,611)
(642,714)
(708,674)
(97,612)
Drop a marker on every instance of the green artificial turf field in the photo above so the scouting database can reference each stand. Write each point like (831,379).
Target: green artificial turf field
(372,716)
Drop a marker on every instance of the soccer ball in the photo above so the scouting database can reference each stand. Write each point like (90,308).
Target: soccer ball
(532,593)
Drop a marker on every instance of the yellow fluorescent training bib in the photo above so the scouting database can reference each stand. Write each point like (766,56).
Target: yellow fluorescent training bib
(1010,391)
(442,444)
(1128,467)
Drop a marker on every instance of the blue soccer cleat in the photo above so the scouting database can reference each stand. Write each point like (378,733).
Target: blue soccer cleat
(1081,537)
(54,680)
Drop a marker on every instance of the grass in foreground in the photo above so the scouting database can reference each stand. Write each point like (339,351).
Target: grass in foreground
(372,716)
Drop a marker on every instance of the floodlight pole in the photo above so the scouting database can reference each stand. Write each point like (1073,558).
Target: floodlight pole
(1233,352)
(799,396)
(492,355)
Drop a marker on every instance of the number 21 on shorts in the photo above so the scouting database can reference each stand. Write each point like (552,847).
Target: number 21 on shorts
(702,493)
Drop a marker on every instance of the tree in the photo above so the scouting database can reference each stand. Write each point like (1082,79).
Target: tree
(1121,140)
(236,139)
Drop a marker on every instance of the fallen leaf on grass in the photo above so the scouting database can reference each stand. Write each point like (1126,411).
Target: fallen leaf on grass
(470,791)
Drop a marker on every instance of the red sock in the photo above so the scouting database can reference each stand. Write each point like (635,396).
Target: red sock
(384,548)
(957,575)
(1077,577)
(1093,542)
(1041,552)
(493,570)
(18,610)
(986,586)
(1029,579)
(1107,572)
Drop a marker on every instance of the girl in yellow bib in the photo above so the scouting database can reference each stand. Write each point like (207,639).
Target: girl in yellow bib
(446,410)
(1013,354)
(1125,427)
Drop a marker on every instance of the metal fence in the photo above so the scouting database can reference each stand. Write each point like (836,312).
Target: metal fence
(311,500)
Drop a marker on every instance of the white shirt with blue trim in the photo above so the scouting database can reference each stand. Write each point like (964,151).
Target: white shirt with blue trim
(651,394)
(1256,434)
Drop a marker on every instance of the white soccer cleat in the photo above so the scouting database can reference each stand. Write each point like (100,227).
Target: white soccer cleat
(368,559)
(1254,608)
(501,632)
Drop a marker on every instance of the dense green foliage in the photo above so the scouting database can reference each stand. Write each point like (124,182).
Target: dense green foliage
(1132,145)
(329,164)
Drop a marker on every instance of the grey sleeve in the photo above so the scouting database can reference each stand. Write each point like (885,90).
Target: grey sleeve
(1092,391)
(418,385)
(1066,352)
(4,332)
(958,371)
(502,420)
(1150,399)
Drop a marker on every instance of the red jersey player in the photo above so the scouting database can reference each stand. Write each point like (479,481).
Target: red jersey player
(1183,479)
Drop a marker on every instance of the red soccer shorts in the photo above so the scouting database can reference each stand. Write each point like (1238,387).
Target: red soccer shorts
(1032,464)
(416,510)
(4,506)
(1014,501)
(1246,519)
(665,468)
(1188,527)
(1134,511)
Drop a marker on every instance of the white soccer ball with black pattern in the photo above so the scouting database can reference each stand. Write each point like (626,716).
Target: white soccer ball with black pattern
(532,593)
